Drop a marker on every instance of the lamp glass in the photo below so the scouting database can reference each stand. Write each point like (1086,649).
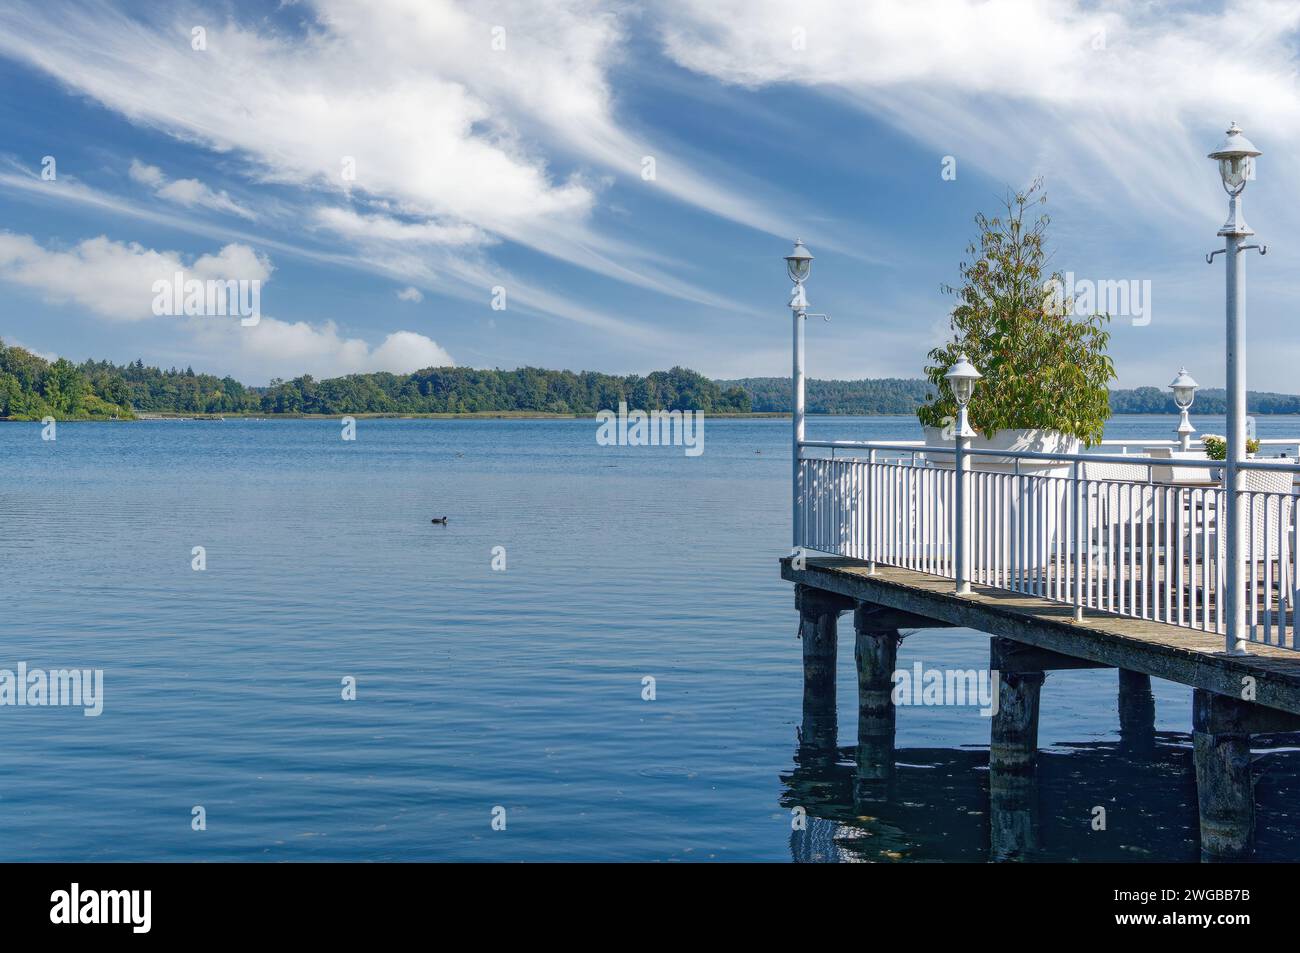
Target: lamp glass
(798,268)
(962,389)
(1183,396)
(1235,171)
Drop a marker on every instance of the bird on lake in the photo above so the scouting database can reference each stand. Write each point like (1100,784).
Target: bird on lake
(439,519)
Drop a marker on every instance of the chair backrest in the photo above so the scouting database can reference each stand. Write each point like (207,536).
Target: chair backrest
(1126,472)
(1269,514)
(1267,481)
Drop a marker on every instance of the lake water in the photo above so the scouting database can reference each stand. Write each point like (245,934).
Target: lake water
(478,688)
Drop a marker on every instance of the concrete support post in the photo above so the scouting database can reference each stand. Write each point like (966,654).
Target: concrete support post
(1224,787)
(876,653)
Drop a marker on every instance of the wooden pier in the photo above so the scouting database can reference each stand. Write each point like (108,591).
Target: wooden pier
(1235,696)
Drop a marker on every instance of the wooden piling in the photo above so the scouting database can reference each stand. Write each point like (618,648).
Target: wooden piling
(1013,756)
(1013,748)
(1013,745)
(1225,789)
(1033,635)
(1137,713)
(876,653)
(819,613)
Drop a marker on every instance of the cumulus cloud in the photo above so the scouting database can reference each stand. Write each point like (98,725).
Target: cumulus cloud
(146,174)
(190,193)
(115,279)
(410,293)
(275,348)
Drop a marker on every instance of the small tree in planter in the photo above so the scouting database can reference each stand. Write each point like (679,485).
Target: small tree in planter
(1216,446)
(1044,370)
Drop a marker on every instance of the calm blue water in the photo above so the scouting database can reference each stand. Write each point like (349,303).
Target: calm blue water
(478,688)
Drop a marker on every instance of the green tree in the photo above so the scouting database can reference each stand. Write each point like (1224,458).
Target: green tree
(1042,368)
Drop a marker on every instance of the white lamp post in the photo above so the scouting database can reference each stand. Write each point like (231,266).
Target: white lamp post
(1236,159)
(961,378)
(798,265)
(1184,389)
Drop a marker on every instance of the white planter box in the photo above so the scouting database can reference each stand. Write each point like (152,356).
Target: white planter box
(1036,441)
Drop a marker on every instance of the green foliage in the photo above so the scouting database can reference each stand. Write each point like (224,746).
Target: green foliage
(454,390)
(888,396)
(31,387)
(902,396)
(1209,400)
(1216,446)
(1042,368)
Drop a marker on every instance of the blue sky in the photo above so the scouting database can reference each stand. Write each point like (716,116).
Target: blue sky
(502,145)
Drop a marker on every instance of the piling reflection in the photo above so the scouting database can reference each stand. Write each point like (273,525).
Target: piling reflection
(1137,714)
(1093,801)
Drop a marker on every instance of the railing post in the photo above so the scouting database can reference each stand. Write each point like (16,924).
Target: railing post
(797,419)
(1235,603)
(873,503)
(1076,533)
(961,535)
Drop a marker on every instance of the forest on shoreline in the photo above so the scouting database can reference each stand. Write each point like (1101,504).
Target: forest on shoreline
(32,387)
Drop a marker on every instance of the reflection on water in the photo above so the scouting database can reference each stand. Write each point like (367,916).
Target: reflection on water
(938,806)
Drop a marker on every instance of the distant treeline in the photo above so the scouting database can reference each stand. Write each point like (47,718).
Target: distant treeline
(899,396)
(1211,400)
(32,387)
(887,396)
(459,390)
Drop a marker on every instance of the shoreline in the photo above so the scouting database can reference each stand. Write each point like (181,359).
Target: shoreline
(475,415)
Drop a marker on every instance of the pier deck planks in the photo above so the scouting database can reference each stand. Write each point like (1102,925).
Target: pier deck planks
(1183,655)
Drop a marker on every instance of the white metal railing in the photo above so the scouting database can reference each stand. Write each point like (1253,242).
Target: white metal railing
(1092,530)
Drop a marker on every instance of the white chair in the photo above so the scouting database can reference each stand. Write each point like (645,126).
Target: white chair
(1268,512)
(1118,500)
(1179,475)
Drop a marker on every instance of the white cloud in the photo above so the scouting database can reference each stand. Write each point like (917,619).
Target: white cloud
(464,275)
(146,174)
(192,192)
(189,193)
(410,293)
(344,221)
(1125,97)
(114,280)
(411,95)
(275,348)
